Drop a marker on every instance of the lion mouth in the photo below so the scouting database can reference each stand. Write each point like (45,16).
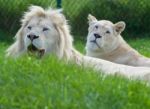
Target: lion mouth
(34,51)
(94,41)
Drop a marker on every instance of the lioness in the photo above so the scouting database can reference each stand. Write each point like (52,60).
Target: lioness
(44,32)
(104,41)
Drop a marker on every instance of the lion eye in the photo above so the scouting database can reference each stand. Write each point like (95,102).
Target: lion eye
(96,27)
(108,32)
(29,27)
(45,29)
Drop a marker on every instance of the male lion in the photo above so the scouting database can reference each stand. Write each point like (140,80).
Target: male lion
(44,32)
(104,41)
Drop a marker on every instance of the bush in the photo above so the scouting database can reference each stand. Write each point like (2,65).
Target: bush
(134,12)
(12,11)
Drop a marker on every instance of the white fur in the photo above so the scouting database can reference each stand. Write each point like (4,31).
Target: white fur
(59,41)
(112,46)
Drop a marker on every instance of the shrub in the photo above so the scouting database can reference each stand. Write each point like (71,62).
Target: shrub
(134,12)
(12,11)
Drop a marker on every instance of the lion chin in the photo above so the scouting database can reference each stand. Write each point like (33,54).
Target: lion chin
(48,29)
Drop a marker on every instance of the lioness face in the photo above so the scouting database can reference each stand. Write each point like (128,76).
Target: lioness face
(40,35)
(102,35)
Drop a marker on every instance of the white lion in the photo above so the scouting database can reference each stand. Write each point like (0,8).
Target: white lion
(104,41)
(46,32)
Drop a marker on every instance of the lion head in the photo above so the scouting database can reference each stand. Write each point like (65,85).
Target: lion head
(103,35)
(43,31)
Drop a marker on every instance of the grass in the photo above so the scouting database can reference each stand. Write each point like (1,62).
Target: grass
(142,45)
(29,83)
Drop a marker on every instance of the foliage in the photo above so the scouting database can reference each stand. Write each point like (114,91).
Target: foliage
(12,11)
(134,12)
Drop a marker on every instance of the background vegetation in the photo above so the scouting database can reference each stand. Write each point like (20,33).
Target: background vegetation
(134,12)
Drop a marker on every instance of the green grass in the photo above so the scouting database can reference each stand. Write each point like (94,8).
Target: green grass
(29,83)
(142,45)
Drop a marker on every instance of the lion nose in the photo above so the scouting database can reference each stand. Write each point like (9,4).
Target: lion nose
(32,37)
(97,36)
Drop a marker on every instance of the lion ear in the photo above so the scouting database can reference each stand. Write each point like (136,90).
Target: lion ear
(18,46)
(119,26)
(91,19)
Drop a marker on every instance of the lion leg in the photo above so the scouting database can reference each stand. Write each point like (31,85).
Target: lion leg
(112,68)
(143,62)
